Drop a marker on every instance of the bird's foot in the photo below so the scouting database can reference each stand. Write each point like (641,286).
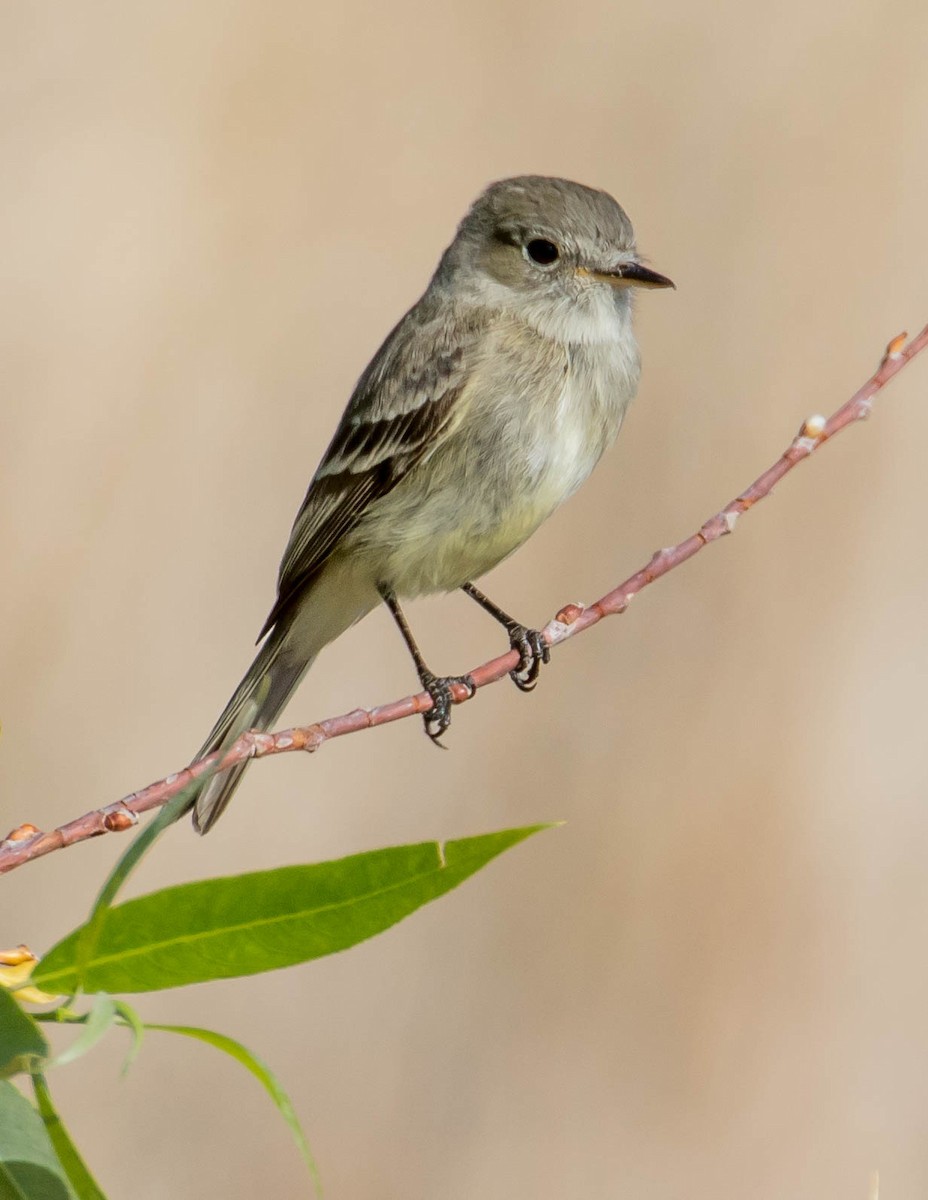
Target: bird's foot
(440,688)
(533,650)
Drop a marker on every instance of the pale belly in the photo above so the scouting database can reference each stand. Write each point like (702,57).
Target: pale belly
(483,494)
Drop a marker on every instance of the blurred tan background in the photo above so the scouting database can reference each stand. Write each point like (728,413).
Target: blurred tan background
(712,981)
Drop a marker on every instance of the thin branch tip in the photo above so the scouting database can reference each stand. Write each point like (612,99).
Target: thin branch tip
(27,842)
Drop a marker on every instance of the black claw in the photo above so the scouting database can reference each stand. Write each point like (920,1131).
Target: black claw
(438,718)
(531,645)
(533,652)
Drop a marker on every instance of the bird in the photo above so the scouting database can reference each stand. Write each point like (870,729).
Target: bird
(485,408)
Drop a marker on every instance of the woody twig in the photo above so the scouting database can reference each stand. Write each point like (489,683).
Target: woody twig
(27,842)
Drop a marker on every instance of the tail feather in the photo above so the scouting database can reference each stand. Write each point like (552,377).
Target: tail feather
(331,602)
(258,700)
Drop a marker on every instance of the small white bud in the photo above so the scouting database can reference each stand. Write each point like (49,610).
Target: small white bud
(814,426)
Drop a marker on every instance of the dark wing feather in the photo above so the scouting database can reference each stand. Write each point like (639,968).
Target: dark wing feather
(401,408)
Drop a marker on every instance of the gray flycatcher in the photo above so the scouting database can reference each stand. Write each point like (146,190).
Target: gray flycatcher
(486,407)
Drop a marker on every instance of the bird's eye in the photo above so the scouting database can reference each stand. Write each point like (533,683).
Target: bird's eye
(542,252)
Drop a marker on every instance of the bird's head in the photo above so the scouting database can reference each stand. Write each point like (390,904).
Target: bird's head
(559,254)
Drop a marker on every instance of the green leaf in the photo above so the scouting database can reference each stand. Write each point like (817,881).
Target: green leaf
(263,1075)
(29,1167)
(245,924)
(133,1023)
(22,1045)
(99,1019)
(125,865)
(74,1166)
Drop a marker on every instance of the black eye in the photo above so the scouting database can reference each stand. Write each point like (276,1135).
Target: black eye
(542,251)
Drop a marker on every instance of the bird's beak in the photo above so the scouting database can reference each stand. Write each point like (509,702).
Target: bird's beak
(631,274)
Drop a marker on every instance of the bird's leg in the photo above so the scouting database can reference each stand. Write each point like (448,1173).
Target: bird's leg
(531,645)
(438,718)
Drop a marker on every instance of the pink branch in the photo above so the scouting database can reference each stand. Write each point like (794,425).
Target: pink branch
(27,843)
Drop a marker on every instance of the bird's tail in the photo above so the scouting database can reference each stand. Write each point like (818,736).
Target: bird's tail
(257,701)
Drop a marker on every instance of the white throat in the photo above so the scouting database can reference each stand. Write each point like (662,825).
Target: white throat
(595,317)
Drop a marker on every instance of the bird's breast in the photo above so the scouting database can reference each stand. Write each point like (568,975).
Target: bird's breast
(533,430)
(566,440)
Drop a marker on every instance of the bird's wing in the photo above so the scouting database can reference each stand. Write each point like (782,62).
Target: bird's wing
(403,406)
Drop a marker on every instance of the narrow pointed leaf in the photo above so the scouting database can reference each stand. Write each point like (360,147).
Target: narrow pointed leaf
(29,1167)
(80,1179)
(125,865)
(99,1019)
(133,1023)
(263,1074)
(245,924)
